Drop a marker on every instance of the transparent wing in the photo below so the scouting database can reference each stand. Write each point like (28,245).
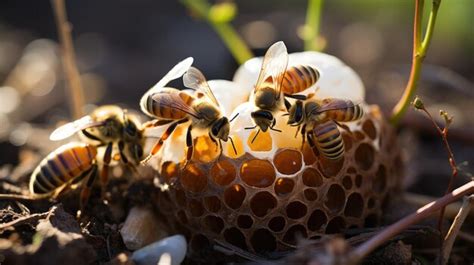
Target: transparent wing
(274,65)
(325,127)
(73,127)
(176,72)
(334,104)
(174,101)
(195,79)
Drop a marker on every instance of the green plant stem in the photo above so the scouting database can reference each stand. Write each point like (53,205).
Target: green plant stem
(419,52)
(313,23)
(226,32)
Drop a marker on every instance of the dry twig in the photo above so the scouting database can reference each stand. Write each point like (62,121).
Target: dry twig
(29,219)
(456,227)
(419,200)
(68,57)
(386,234)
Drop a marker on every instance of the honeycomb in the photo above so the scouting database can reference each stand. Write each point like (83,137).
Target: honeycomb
(264,205)
(273,191)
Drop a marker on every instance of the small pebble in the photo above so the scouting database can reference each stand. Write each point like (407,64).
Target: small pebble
(170,250)
(141,228)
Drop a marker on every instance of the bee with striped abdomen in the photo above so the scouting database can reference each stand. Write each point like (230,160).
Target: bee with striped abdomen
(109,127)
(275,83)
(318,122)
(174,107)
(65,166)
(299,78)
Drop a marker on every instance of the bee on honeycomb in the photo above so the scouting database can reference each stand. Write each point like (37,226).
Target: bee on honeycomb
(261,196)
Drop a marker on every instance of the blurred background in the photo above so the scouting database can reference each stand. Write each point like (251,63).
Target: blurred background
(123,47)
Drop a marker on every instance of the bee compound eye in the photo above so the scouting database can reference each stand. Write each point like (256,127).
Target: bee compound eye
(131,129)
(298,115)
(267,115)
(215,129)
(138,151)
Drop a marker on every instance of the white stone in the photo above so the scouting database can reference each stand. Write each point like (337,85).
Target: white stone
(174,246)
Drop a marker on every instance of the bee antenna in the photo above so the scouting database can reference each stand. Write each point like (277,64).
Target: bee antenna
(255,137)
(235,116)
(250,128)
(276,130)
(233,145)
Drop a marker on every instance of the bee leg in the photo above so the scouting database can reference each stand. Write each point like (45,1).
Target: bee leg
(273,128)
(297,131)
(156,148)
(86,188)
(124,158)
(91,136)
(214,141)
(104,172)
(221,150)
(233,145)
(298,97)
(311,143)
(189,145)
(343,126)
(59,191)
(255,137)
(303,136)
(156,123)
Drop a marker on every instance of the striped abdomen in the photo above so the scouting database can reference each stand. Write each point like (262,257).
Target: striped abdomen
(328,140)
(61,166)
(154,107)
(299,78)
(350,113)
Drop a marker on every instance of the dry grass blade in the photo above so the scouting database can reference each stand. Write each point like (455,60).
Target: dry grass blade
(456,227)
(69,59)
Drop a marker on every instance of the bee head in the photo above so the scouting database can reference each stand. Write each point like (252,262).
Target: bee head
(263,119)
(220,129)
(296,113)
(110,128)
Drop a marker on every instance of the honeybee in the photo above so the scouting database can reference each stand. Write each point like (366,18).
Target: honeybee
(172,106)
(107,126)
(275,83)
(65,166)
(319,120)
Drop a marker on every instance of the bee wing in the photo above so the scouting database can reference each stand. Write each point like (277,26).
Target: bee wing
(174,101)
(195,79)
(73,127)
(325,127)
(176,72)
(274,65)
(334,104)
